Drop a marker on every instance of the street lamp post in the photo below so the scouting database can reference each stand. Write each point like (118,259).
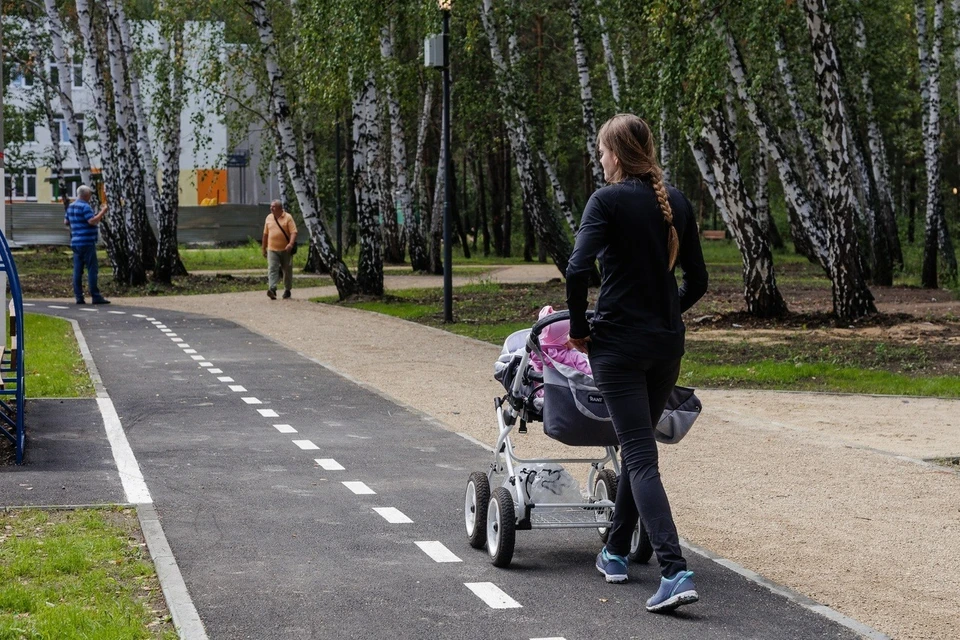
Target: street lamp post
(437,54)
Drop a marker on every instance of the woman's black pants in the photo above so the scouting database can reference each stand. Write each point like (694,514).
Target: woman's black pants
(635,392)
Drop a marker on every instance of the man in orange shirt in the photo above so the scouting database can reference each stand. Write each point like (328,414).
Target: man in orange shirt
(279,236)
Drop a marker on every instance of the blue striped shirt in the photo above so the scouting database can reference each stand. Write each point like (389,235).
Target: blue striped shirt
(82,233)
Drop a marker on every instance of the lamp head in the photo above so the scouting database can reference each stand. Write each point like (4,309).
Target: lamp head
(954,191)
(444,4)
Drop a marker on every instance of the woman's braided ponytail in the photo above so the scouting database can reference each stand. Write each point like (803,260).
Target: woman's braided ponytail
(673,241)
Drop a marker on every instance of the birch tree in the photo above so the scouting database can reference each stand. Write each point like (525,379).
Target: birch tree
(608,57)
(366,134)
(936,236)
(288,153)
(586,95)
(851,297)
(545,222)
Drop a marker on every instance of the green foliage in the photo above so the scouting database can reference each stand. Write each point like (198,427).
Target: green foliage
(53,367)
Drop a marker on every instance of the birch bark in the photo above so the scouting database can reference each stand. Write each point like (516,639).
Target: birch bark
(762,296)
(289,157)
(608,57)
(586,96)
(419,184)
(935,234)
(112,227)
(545,222)
(366,135)
(851,297)
(561,196)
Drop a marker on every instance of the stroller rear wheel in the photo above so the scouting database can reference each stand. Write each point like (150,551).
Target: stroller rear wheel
(605,488)
(475,503)
(501,527)
(640,548)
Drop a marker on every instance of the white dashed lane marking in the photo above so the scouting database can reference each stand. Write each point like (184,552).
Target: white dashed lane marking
(251,400)
(192,351)
(237,387)
(118,313)
(215,371)
(329,464)
(393,515)
(149,319)
(268,413)
(29,304)
(91,310)
(284,428)
(161,326)
(359,488)
(55,306)
(183,345)
(206,364)
(194,357)
(177,339)
(139,315)
(222,378)
(306,445)
(438,552)
(493,595)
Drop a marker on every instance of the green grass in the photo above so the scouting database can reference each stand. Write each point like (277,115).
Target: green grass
(53,367)
(78,575)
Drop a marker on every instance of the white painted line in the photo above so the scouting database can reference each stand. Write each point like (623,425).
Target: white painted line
(237,387)
(184,345)
(222,378)
(56,306)
(217,371)
(118,313)
(194,357)
(169,332)
(492,595)
(161,326)
(251,400)
(156,322)
(268,413)
(438,552)
(284,428)
(306,445)
(177,339)
(149,319)
(329,464)
(206,364)
(29,304)
(91,310)
(192,351)
(359,488)
(393,515)
(139,315)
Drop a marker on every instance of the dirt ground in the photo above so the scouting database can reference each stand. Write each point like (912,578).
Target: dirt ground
(826,494)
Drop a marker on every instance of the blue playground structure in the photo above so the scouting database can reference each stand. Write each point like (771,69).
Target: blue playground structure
(11,364)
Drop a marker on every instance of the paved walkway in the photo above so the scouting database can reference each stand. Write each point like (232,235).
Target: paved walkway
(300,504)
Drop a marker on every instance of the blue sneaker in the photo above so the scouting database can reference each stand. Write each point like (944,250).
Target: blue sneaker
(674,592)
(612,566)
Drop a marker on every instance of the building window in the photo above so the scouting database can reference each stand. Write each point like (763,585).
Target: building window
(22,185)
(64,131)
(71,180)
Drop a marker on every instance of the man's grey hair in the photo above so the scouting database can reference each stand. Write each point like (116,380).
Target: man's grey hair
(277,203)
(84,190)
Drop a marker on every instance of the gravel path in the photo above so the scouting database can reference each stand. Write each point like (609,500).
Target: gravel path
(826,494)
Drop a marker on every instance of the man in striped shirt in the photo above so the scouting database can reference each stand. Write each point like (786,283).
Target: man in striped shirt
(83,240)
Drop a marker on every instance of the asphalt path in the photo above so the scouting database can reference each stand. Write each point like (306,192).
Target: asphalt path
(241,441)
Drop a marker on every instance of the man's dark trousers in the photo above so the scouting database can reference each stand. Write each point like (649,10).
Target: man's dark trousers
(85,256)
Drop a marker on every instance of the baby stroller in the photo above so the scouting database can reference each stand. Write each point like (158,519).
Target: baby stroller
(564,398)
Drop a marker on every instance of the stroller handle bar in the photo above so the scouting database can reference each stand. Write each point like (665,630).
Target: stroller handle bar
(557,316)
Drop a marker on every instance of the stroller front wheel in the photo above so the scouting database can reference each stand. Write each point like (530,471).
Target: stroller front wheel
(501,528)
(605,488)
(475,503)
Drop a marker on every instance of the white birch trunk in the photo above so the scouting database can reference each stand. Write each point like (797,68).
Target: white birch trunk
(561,196)
(609,57)
(366,134)
(113,228)
(955,5)
(810,217)
(851,297)
(402,193)
(419,186)
(545,222)
(761,294)
(65,91)
(586,95)
(935,235)
(288,154)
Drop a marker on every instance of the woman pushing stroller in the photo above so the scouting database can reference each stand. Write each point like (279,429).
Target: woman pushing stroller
(639,228)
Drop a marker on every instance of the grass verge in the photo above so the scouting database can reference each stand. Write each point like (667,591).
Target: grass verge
(53,367)
(795,359)
(78,574)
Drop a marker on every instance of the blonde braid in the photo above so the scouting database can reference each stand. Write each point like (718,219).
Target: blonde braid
(673,241)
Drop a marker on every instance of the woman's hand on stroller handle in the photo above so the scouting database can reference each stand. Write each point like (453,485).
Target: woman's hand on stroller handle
(580,344)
